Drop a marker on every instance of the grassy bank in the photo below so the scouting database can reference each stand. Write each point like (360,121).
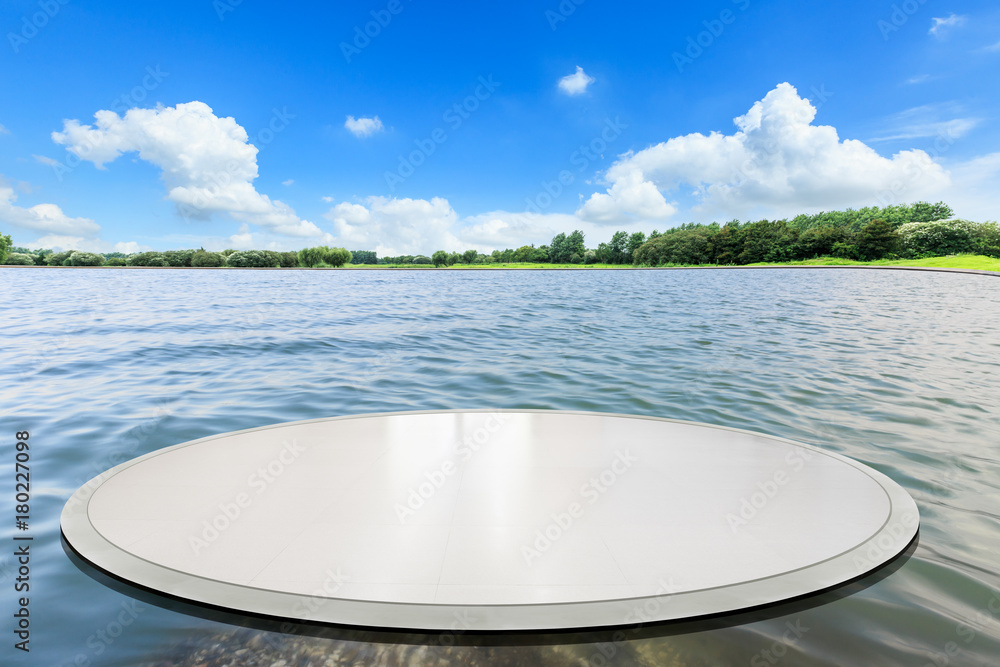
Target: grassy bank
(979,262)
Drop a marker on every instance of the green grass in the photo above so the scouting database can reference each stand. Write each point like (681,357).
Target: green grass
(980,262)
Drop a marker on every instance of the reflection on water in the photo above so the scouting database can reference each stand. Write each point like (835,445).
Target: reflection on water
(900,370)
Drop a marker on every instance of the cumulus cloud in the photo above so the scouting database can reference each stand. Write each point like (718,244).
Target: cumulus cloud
(363,127)
(576,83)
(242,240)
(393,226)
(290,181)
(42,217)
(207,162)
(776,160)
(939,27)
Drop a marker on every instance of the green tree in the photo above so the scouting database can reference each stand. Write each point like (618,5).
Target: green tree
(590,257)
(818,241)
(575,244)
(322,255)
(635,241)
(249,259)
(559,250)
(766,241)
(618,248)
(988,239)
(18,259)
(115,261)
(58,258)
(523,254)
(273,258)
(440,258)
(940,237)
(5,244)
(178,257)
(149,258)
(80,258)
(877,239)
(469,256)
(203,257)
(539,255)
(364,257)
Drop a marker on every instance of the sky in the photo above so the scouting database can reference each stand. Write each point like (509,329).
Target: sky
(407,126)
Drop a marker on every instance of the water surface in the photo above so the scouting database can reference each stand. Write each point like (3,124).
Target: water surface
(897,369)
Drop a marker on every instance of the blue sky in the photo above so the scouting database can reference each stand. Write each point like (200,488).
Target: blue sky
(238,124)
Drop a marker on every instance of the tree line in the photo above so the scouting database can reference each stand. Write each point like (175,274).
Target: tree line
(900,231)
(317,257)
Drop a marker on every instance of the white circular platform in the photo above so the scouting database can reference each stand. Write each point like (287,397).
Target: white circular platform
(489,520)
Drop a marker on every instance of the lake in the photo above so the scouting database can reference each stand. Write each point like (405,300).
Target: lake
(897,369)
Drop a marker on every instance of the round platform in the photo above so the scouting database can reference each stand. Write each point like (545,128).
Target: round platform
(489,520)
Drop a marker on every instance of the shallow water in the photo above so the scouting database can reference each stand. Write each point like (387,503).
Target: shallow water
(897,369)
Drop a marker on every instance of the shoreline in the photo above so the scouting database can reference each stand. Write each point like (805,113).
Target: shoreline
(942,269)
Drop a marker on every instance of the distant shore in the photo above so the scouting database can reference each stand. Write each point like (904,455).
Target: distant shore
(956,263)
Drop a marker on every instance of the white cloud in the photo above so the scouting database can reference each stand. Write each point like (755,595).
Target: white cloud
(992,48)
(927,121)
(42,217)
(941,26)
(776,160)
(395,226)
(47,161)
(4,130)
(576,83)
(974,195)
(242,240)
(328,200)
(207,163)
(363,127)
(65,242)
(630,197)
(920,78)
(290,181)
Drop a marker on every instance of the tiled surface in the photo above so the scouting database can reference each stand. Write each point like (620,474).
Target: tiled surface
(459,509)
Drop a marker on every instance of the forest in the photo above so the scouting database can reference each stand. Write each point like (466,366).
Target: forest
(914,231)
